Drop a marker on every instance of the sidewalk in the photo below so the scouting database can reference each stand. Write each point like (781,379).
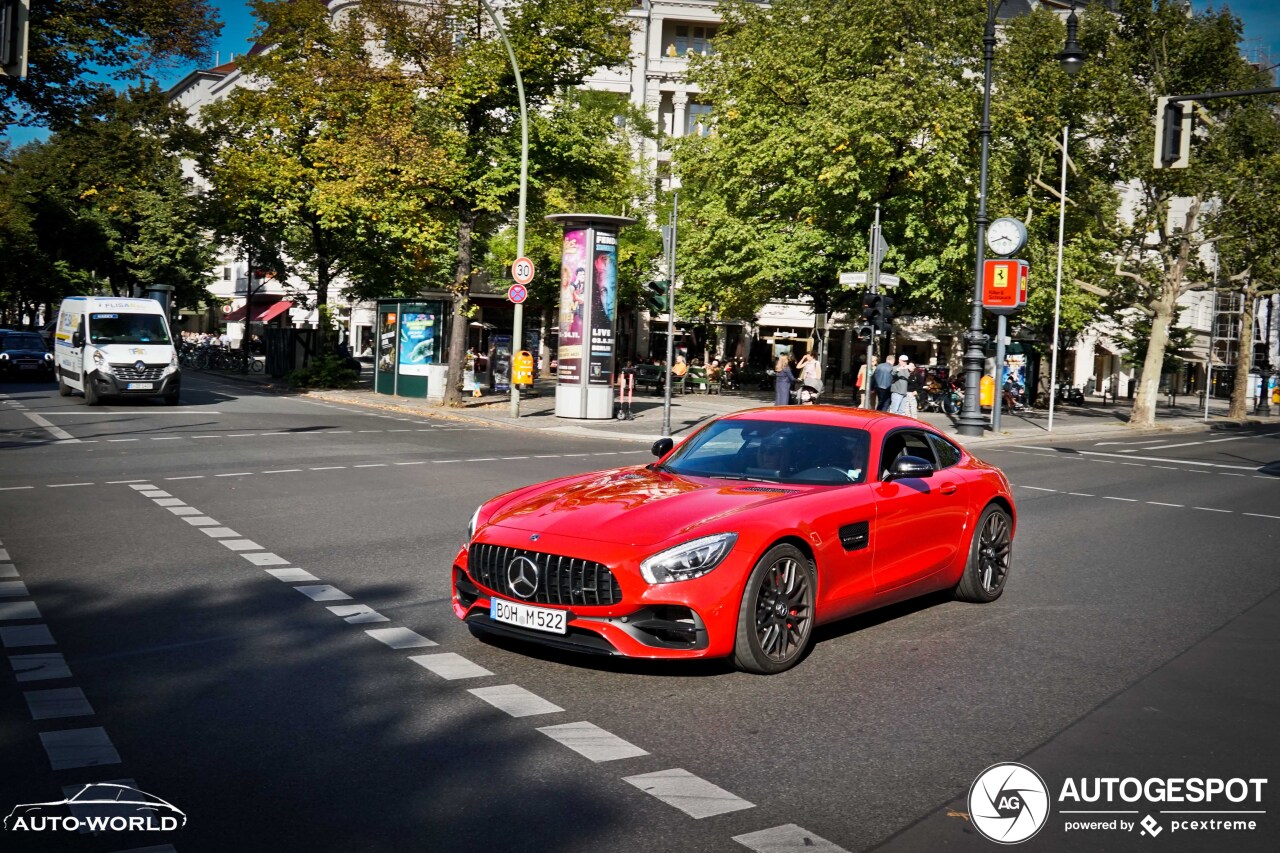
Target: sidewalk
(537,412)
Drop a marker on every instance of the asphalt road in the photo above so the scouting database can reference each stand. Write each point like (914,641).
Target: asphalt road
(1138,635)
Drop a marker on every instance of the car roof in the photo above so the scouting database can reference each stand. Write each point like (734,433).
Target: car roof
(838,416)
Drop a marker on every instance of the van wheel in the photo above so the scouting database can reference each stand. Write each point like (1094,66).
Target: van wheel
(91,397)
(64,390)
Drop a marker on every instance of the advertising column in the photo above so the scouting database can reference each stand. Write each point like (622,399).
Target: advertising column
(588,313)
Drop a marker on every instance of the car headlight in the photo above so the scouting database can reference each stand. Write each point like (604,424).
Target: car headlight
(471,525)
(173,360)
(99,360)
(48,356)
(4,356)
(690,560)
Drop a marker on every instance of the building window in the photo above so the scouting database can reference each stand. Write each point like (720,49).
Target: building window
(698,120)
(226,273)
(687,39)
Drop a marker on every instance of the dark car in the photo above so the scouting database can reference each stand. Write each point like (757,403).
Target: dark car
(23,354)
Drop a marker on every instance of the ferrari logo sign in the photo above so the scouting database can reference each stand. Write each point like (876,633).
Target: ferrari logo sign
(1004,285)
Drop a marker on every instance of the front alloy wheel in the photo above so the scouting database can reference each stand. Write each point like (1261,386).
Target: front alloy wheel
(775,619)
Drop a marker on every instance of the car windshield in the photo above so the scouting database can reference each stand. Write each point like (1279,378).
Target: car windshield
(127,329)
(23,341)
(774,451)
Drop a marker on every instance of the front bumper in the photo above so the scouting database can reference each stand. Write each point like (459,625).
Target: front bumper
(108,384)
(690,619)
(18,369)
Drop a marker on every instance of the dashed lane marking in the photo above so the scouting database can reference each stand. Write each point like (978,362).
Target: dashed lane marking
(357,614)
(57,703)
(400,638)
(323,592)
(450,666)
(292,575)
(46,666)
(787,838)
(592,742)
(1143,458)
(692,795)
(515,700)
(72,748)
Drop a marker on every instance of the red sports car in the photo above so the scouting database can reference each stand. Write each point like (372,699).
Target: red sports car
(757,527)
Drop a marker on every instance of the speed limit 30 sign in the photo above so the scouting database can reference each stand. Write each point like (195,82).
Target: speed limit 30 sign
(522,270)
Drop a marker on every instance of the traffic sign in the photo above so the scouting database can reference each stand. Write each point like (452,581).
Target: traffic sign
(522,272)
(517,293)
(853,279)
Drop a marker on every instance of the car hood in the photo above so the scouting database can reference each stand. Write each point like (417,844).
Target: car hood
(635,506)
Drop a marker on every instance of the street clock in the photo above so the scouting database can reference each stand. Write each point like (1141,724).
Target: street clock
(1006,236)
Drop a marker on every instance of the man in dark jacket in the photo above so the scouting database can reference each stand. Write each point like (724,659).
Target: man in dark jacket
(881,380)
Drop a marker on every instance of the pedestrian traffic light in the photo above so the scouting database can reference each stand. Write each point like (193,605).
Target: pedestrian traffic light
(1173,133)
(871,304)
(656,296)
(886,314)
(866,333)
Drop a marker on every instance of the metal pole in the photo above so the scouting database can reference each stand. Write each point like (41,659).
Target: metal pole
(671,317)
(1213,327)
(971,422)
(517,331)
(1264,371)
(1002,326)
(873,287)
(1057,291)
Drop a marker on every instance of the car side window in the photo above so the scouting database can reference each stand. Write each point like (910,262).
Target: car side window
(947,453)
(906,442)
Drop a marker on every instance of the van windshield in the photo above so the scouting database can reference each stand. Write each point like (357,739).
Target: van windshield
(127,329)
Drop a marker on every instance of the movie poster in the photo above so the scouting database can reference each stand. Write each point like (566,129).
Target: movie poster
(574,285)
(604,305)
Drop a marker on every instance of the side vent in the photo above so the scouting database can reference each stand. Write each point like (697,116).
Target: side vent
(854,536)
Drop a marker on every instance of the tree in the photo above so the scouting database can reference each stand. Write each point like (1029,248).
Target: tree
(449,52)
(1155,48)
(71,42)
(822,111)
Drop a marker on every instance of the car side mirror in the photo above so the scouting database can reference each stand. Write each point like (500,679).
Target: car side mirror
(77,339)
(910,467)
(662,447)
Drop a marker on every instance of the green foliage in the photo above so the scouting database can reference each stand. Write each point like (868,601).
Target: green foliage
(72,42)
(1137,338)
(325,371)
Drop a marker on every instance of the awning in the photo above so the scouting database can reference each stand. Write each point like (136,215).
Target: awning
(263,311)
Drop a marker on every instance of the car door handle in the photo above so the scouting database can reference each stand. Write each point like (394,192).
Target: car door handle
(948,488)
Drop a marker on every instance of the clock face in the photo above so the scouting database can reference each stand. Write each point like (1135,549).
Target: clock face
(1006,236)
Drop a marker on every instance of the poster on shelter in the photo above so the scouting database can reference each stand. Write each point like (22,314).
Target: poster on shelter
(604,304)
(574,283)
(417,340)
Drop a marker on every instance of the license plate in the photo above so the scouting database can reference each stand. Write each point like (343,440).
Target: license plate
(524,616)
(139,386)
(27,366)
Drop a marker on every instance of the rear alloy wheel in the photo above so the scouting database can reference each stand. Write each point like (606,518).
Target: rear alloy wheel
(990,555)
(775,619)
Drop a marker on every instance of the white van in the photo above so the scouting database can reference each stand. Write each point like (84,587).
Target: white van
(106,346)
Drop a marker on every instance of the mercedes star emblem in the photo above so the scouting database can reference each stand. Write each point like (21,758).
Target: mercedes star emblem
(535,537)
(522,577)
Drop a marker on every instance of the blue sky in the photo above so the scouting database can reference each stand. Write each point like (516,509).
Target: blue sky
(1261,30)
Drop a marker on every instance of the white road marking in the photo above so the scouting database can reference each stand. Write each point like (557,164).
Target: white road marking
(1194,443)
(1261,515)
(122,482)
(323,592)
(8,570)
(56,432)
(283,471)
(292,575)
(236,474)
(371,465)
(184,510)
(11,589)
(18,636)
(56,703)
(166,438)
(1128,500)
(787,838)
(1158,503)
(201,521)
(1081,495)
(241,545)
(265,558)
(17,610)
(356,614)
(219,532)
(121,439)
(155,493)
(1038,488)
(592,742)
(328,468)
(188,477)
(15,488)
(169,502)
(1210,509)
(1154,459)
(450,666)
(515,700)
(71,748)
(65,485)
(400,638)
(41,667)
(692,795)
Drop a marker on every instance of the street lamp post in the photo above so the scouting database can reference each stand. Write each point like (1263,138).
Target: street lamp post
(1071,57)
(517,334)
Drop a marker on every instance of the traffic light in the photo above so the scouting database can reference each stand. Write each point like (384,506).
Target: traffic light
(866,333)
(1173,133)
(656,296)
(871,304)
(886,314)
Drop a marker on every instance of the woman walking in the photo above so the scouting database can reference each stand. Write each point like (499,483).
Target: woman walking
(783,379)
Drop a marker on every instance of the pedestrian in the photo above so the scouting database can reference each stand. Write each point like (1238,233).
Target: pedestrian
(783,379)
(898,389)
(810,379)
(860,385)
(881,379)
(913,391)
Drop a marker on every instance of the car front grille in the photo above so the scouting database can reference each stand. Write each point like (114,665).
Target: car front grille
(129,373)
(561,580)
